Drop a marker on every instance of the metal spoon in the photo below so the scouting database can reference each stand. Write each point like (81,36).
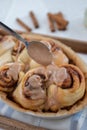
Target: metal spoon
(36,50)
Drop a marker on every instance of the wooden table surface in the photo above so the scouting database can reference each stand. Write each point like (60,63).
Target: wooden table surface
(11,124)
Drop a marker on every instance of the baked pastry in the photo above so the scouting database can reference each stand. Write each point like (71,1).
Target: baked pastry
(66,87)
(9,76)
(6,46)
(58,98)
(30,90)
(6,43)
(59,58)
(17,49)
(54,88)
(6,58)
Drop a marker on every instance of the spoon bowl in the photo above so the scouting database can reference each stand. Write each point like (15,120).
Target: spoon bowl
(39,52)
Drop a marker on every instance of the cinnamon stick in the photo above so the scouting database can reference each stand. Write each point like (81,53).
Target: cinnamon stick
(51,22)
(60,21)
(60,26)
(23,24)
(34,20)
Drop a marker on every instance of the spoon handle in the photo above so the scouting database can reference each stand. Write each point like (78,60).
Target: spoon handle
(13,33)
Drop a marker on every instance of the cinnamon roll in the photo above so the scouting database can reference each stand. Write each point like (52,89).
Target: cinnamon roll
(6,46)
(59,58)
(54,88)
(31,92)
(28,62)
(17,49)
(19,53)
(66,87)
(9,75)
(6,58)
(6,43)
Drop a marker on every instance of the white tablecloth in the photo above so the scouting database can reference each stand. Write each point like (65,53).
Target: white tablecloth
(74,12)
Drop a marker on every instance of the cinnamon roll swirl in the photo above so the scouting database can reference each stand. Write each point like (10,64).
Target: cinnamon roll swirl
(9,75)
(17,49)
(31,94)
(19,53)
(66,87)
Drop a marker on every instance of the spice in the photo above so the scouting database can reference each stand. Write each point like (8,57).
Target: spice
(51,23)
(34,20)
(23,24)
(60,21)
(57,19)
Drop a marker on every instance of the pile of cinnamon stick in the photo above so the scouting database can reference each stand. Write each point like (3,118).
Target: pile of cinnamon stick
(55,21)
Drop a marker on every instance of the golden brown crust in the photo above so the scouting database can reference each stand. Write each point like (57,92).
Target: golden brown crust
(76,91)
(77,61)
(26,102)
(7,81)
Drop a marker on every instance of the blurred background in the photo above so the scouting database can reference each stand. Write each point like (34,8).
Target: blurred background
(73,11)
